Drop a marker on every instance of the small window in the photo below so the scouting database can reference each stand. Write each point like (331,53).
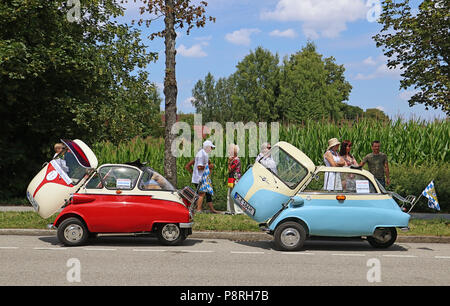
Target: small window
(67,161)
(284,166)
(94,182)
(342,182)
(119,177)
(152,180)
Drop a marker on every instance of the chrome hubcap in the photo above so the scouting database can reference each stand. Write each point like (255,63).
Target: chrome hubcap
(170,232)
(73,233)
(382,235)
(290,237)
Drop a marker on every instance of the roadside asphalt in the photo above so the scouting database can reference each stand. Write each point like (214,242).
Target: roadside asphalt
(234,235)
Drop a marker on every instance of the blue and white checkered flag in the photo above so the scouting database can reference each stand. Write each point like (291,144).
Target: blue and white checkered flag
(205,182)
(430,193)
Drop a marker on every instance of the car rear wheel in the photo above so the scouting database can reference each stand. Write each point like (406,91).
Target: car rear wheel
(383,237)
(72,232)
(170,234)
(289,236)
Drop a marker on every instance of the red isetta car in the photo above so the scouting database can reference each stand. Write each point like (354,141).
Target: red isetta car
(112,198)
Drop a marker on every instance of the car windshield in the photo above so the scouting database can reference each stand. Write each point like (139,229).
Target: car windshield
(152,180)
(67,161)
(284,166)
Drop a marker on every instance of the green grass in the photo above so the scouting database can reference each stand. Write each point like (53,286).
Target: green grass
(434,227)
(213,222)
(28,219)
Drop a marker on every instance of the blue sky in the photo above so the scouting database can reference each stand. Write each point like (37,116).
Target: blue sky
(339,28)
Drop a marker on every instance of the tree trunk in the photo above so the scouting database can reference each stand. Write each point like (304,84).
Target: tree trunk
(170,92)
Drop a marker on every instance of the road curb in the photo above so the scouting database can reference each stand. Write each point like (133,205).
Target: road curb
(235,236)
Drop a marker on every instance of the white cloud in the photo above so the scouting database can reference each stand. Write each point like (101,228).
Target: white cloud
(381,70)
(369,61)
(194,51)
(407,94)
(289,33)
(241,37)
(319,17)
(186,105)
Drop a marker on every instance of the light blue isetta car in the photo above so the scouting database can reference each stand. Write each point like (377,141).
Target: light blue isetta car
(293,200)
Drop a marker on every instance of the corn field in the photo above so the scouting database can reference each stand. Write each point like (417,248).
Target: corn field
(411,143)
(407,144)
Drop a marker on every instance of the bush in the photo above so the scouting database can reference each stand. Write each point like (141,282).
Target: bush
(406,180)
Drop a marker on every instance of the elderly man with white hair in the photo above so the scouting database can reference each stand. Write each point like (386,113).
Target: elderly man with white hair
(266,159)
(199,163)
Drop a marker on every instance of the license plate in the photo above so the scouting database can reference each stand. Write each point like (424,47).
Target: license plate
(244,205)
(33,201)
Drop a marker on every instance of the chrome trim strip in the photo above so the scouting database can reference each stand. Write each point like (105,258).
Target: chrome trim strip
(186,225)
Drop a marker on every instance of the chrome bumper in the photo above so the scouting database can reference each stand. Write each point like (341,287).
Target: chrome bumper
(186,225)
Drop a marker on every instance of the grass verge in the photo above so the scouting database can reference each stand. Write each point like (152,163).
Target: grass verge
(212,222)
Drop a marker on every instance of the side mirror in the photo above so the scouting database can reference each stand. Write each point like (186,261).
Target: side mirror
(297,201)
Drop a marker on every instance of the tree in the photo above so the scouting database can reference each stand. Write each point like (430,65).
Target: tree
(177,14)
(213,99)
(257,87)
(419,44)
(376,114)
(312,87)
(205,98)
(66,79)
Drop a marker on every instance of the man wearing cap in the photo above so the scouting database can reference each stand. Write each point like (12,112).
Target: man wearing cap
(200,161)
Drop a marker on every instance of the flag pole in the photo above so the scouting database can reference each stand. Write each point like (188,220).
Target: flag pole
(415,202)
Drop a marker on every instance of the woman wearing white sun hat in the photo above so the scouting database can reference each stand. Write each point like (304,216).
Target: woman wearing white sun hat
(331,158)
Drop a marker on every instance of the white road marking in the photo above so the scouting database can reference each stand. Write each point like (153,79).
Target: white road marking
(98,249)
(232,252)
(196,251)
(50,249)
(349,254)
(401,256)
(239,252)
(148,250)
(298,253)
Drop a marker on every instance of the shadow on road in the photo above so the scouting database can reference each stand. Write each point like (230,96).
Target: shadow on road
(328,245)
(120,240)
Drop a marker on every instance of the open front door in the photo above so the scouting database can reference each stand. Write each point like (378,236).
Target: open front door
(62,176)
(272,180)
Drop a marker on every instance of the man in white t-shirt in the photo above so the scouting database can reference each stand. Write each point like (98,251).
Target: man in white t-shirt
(199,162)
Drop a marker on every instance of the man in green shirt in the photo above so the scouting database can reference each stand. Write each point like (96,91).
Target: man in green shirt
(378,164)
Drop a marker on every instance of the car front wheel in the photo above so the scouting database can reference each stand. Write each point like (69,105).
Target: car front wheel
(289,236)
(170,234)
(72,232)
(383,237)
